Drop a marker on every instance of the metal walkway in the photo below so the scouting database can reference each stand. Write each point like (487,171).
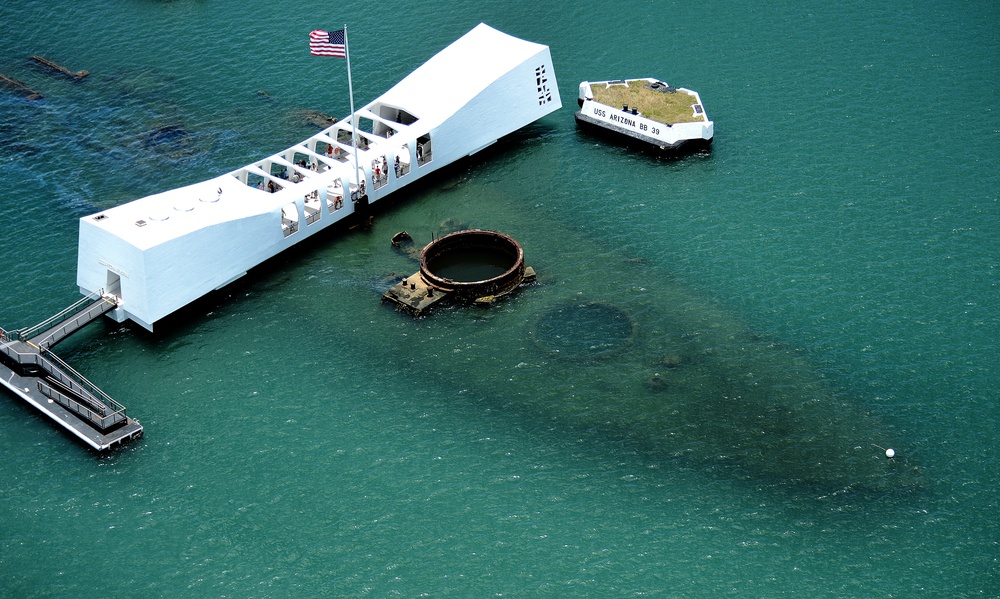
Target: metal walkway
(30,370)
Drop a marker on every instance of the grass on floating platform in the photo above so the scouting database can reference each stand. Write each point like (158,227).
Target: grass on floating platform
(662,107)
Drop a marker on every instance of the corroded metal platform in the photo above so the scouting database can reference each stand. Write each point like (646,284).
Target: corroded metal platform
(434,282)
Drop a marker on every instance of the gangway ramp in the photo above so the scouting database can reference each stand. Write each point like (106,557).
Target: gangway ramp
(46,334)
(30,370)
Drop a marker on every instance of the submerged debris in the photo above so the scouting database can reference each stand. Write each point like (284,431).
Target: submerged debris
(78,75)
(404,243)
(166,135)
(21,87)
(476,266)
(316,118)
(174,141)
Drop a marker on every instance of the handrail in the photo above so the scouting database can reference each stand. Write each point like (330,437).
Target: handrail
(101,421)
(81,381)
(69,326)
(91,402)
(28,333)
(69,388)
(8,349)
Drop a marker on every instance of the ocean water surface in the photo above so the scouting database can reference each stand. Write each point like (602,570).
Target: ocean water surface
(694,399)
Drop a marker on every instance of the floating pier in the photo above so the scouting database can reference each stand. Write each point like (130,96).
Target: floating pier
(59,68)
(31,371)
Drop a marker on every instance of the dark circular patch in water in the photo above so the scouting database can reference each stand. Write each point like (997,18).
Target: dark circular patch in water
(172,134)
(584,330)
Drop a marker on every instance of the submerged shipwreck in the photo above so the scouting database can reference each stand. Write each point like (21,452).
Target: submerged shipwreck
(478,266)
(628,354)
(633,358)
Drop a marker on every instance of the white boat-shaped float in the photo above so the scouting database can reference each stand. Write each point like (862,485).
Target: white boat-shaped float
(666,117)
(157,254)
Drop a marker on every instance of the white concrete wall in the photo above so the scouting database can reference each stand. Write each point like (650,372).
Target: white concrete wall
(166,265)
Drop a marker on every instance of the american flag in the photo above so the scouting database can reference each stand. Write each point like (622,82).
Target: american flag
(327,43)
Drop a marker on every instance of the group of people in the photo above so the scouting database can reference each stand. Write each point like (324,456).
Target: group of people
(269,187)
(309,164)
(380,172)
(332,152)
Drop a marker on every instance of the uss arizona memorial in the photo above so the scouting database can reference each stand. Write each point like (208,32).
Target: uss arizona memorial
(157,254)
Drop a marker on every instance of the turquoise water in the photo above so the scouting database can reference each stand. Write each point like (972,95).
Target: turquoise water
(303,440)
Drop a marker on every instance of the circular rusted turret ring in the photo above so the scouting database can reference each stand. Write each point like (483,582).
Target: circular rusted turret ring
(474,238)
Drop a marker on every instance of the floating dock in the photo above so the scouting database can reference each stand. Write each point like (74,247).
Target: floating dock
(32,372)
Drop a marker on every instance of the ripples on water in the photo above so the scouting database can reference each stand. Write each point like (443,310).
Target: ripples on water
(301,437)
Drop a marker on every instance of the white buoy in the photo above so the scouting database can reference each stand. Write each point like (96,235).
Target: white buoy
(889,453)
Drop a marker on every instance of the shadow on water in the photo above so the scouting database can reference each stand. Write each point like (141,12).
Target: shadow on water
(592,135)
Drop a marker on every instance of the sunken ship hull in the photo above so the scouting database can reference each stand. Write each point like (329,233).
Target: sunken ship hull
(615,350)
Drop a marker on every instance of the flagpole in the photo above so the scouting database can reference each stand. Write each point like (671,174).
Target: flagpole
(354,118)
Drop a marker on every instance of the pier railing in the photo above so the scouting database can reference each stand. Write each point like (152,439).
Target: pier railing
(66,386)
(87,410)
(7,345)
(87,399)
(71,324)
(313,216)
(66,314)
